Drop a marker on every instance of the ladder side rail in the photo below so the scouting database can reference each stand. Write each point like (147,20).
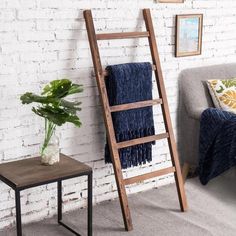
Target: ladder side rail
(165,110)
(108,120)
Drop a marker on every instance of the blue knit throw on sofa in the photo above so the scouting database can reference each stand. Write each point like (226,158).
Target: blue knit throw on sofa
(217,143)
(128,83)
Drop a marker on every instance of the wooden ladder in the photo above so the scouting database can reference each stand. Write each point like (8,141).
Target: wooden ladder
(107,110)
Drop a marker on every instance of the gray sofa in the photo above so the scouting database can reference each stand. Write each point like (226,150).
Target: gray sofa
(194,98)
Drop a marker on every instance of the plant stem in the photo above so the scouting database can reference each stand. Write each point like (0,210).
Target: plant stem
(49,130)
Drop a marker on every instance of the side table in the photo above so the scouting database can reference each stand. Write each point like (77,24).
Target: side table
(28,173)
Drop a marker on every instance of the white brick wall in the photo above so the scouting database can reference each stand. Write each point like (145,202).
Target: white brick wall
(41,40)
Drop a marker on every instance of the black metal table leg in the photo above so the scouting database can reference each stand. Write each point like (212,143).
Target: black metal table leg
(67,170)
(59,208)
(59,201)
(18,213)
(90,204)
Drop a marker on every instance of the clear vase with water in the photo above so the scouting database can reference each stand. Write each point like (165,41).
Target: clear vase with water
(50,151)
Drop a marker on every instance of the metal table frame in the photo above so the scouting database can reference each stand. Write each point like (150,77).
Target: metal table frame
(59,200)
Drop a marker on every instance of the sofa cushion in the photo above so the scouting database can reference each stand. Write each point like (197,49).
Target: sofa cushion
(223,94)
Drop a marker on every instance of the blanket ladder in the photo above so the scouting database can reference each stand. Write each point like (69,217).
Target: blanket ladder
(107,110)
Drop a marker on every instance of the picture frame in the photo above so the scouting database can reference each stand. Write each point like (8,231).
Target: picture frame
(171,1)
(188,38)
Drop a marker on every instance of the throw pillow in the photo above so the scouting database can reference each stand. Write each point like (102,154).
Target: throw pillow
(223,93)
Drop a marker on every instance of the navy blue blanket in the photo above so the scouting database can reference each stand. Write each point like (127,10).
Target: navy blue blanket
(217,143)
(127,83)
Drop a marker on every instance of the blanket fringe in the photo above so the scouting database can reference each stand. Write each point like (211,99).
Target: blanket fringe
(135,155)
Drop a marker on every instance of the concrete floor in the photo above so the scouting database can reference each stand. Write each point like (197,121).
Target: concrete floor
(156,213)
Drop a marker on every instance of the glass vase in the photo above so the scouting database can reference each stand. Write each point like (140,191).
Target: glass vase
(50,153)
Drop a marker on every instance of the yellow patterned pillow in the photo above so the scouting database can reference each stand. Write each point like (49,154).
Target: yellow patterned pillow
(223,93)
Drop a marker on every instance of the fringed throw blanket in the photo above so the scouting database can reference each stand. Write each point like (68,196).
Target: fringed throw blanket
(217,144)
(127,83)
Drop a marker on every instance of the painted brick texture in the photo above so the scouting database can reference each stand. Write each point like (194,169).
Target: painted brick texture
(41,40)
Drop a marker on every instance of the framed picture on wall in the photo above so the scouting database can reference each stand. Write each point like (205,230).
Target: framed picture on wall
(188,41)
(172,1)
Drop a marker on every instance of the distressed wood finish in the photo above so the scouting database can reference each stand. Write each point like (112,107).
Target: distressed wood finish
(30,171)
(123,35)
(135,105)
(108,120)
(105,72)
(107,110)
(165,110)
(24,174)
(142,140)
(153,174)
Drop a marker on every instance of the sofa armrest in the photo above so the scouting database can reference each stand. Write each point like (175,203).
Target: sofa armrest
(195,113)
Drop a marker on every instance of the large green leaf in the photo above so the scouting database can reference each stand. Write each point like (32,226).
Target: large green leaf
(28,98)
(55,102)
(57,115)
(54,108)
(75,88)
(57,88)
(61,88)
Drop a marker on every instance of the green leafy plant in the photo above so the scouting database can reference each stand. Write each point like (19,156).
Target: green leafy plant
(54,108)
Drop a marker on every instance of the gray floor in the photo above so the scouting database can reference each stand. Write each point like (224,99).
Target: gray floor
(212,212)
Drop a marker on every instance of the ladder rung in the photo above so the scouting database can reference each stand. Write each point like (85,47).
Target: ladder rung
(105,72)
(123,35)
(135,105)
(154,174)
(137,141)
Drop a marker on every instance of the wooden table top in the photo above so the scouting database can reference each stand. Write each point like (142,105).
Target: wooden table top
(30,172)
